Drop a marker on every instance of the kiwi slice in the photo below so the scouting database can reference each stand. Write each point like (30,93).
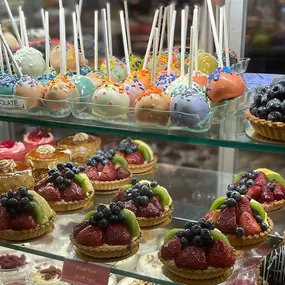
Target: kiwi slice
(238,176)
(127,187)
(43,203)
(41,217)
(257,207)
(119,161)
(217,203)
(89,215)
(84,182)
(132,223)
(218,235)
(145,149)
(171,234)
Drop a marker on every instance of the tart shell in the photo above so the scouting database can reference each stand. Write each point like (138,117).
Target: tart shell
(63,206)
(41,230)
(267,129)
(108,251)
(252,239)
(273,206)
(142,168)
(110,185)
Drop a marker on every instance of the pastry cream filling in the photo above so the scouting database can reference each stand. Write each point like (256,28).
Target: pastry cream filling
(80,137)
(7,165)
(45,149)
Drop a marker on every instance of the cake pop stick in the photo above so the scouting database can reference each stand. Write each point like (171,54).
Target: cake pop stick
(171,10)
(155,48)
(7,60)
(62,42)
(150,39)
(159,20)
(43,17)
(217,16)
(203,41)
(47,43)
(170,48)
(109,22)
(79,27)
(128,26)
(14,25)
(183,26)
(75,33)
(60,3)
(105,27)
(191,65)
(195,37)
(21,25)
(25,34)
(163,30)
(80,7)
(221,27)
(95,40)
(125,42)
(214,31)
(186,20)
(226,38)
(1,59)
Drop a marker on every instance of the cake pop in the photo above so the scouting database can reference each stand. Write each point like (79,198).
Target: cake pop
(200,78)
(8,84)
(46,78)
(85,69)
(11,40)
(110,101)
(83,84)
(97,77)
(206,63)
(164,81)
(136,62)
(118,70)
(232,57)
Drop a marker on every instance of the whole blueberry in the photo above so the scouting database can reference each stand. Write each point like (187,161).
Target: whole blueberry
(229,194)
(197,240)
(135,193)
(154,184)
(264,100)
(69,174)
(262,112)
(205,233)
(107,212)
(271,185)
(250,182)
(112,152)
(129,197)
(67,182)
(13,203)
(23,191)
(4,201)
(240,232)
(122,218)
(257,99)
(273,105)
(60,166)
(274,116)
(223,207)
(196,229)
(230,202)
(101,208)
(51,171)
(188,234)
(183,242)
(69,165)
(103,224)
(116,210)
(138,200)
(62,186)
(98,216)
(28,208)
(180,234)
(10,194)
(134,180)
(253,110)
(210,225)
(236,195)
(144,200)
(258,218)
(202,223)
(252,175)
(241,188)
(76,170)
(283,107)
(55,174)
(121,205)
(189,225)
(113,219)
(59,180)
(149,194)
(231,187)
(264,226)
(81,168)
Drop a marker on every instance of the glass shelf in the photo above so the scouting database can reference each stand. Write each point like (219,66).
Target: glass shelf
(192,191)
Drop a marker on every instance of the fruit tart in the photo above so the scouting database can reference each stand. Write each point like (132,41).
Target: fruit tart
(10,149)
(263,185)
(67,188)
(107,233)
(149,201)
(24,215)
(197,252)
(13,175)
(38,137)
(138,154)
(107,171)
(81,146)
(45,157)
(241,218)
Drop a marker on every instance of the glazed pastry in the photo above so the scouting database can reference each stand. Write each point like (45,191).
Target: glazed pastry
(81,146)
(107,170)
(263,185)
(107,233)
(45,157)
(97,77)
(66,188)
(8,84)
(24,215)
(138,154)
(242,219)
(149,201)
(152,107)
(110,101)
(12,150)
(197,252)
(224,84)
(30,61)
(38,137)
(83,84)
(30,89)
(118,69)
(13,175)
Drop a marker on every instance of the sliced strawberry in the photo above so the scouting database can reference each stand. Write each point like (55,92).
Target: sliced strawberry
(249,224)
(135,158)
(261,179)
(243,205)
(7,144)
(38,134)
(279,192)
(73,193)
(170,249)
(23,221)
(227,222)
(41,184)
(122,173)
(108,173)
(92,173)
(78,228)
(156,202)
(253,191)
(213,216)
(100,167)
(191,257)
(4,219)
(91,236)
(118,234)
(121,196)
(266,195)
(50,192)
(148,211)
(131,206)
(220,255)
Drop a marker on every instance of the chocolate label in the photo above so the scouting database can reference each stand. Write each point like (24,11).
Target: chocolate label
(8,103)
(84,273)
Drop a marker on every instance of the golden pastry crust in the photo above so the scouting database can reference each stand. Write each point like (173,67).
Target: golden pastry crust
(252,239)
(273,206)
(142,168)
(110,185)
(108,251)
(40,230)
(267,129)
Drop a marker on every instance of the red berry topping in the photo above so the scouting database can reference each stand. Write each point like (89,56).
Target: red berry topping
(279,192)
(253,191)
(78,228)
(108,173)
(148,211)
(131,206)
(249,224)
(23,221)
(121,196)
(242,206)
(156,202)
(213,216)
(122,173)
(7,144)
(261,179)
(73,193)
(118,234)
(49,192)
(135,158)
(4,219)
(92,172)
(220,255)
(171,249)
(91,236)
(38,134)
(227,222)
(266,195)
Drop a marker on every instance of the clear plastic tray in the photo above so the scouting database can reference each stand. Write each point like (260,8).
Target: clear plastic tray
(241,66)
(126,116)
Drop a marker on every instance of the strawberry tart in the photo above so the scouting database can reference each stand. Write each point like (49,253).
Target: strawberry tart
(10,149)
(138,154)
(107,171)
(38,137)
(24,215)
(263,185)
(67,188)
(197,252)
(241,218)
(149,201)
(81,146)
(110,232)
